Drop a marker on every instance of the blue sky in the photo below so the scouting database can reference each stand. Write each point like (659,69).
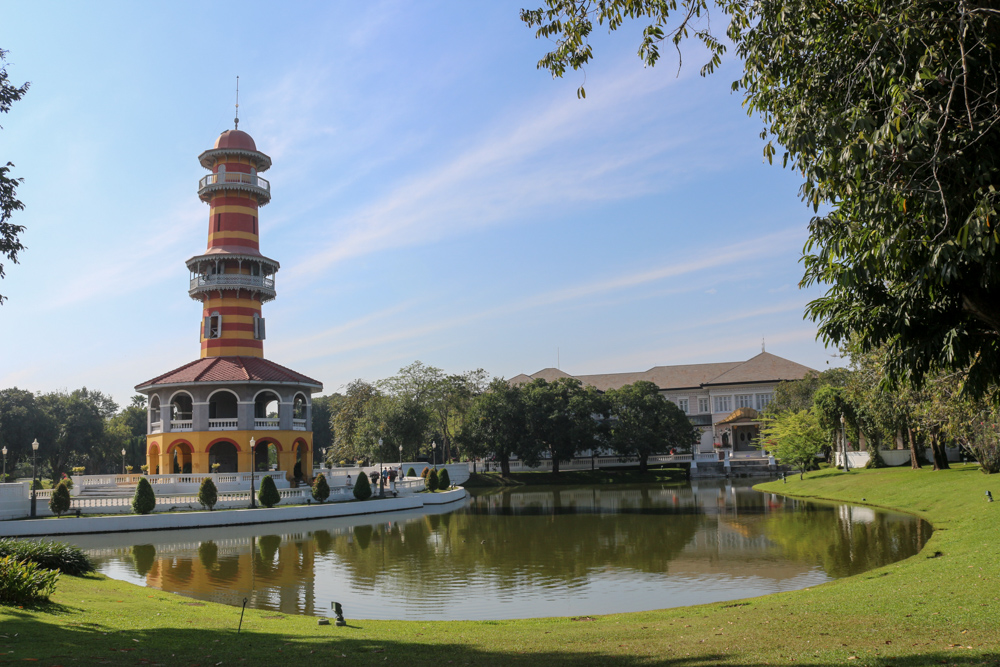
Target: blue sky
(435,196)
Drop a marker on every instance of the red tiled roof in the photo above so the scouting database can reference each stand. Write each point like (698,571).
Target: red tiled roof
(235,139)
(231,369)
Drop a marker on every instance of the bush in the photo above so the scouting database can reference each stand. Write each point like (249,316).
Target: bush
(268,495)
(23,582)
(411,472)
(362,489)
(425,472)
(79,470)
(66,558)
(432,481)
(444,479)
(144,500)
(60,501)
(320,490)
(208,494)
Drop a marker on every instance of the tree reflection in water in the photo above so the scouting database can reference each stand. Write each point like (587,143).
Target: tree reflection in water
(522,553)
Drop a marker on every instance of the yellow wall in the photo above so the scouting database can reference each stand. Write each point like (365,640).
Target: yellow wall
(200,440)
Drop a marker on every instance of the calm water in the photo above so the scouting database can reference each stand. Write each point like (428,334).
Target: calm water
(517,554)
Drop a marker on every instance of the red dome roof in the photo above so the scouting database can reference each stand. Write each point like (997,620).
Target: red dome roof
(235,139)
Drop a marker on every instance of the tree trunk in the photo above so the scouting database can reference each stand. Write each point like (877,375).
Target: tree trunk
(643,463)
(937,448)
(505,467)
(914,457)
(555,462)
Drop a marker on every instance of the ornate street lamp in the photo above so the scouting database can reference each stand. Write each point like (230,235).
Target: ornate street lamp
(381,488)
(434,458)
(34,449)
(4,478)
(401,460)
(123,460)
(253,473)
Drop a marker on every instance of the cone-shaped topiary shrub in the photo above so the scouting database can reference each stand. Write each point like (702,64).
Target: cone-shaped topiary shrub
(431,483)
(144,499)
(444,479)
(59,502)
(320,490)
(425,472)
(268,495)
(208,494)
(362,489)
(411,472)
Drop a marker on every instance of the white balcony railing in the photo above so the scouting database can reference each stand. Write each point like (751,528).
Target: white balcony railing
(267,424)
(233,280)
(222,424)
(181,424)
(298,424)
(235,177)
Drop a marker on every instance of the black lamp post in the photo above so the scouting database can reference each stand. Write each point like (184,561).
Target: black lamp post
(4,478)
(381,484)
(34,495)
(434,458)
(123,460)
(253,473)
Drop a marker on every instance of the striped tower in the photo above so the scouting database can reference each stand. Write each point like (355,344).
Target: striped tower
(231,278)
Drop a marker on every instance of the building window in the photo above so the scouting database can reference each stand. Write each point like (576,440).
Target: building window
(763,400)
(218,222)
(213,326)
(255,224)
(744,400)
(723,403)
(682,403)
(703,406)
(258,326)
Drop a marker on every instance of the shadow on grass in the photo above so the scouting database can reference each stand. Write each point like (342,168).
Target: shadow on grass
(28,639)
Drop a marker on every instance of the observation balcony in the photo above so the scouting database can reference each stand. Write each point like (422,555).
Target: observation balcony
(233,281)
(234,180)
(267,424)
(223,424)
(298,424)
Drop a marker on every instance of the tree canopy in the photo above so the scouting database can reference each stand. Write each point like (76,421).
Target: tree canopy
(10,243)
(889,109)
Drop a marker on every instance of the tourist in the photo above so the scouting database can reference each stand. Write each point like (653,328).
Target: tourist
(348,479)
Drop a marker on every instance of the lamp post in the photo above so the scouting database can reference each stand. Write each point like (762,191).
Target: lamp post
(4,478)
(434,458)
(381,487)
(253,473)
(123,460)
(843,442)
(401,460)
(34,449)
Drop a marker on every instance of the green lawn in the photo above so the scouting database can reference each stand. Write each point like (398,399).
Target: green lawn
(940,607)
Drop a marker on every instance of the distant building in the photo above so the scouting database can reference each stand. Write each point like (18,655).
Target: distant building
(722,399)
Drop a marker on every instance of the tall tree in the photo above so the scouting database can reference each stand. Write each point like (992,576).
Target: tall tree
(563,417)
(347,420)
(890,109)
(794,438)
(10,243)
(645,423)
(496,426)
(21,421)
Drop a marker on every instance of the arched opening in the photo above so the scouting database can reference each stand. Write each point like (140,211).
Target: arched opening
(181,457)
(265,410)
(180,412)
(266,456)
(299,411)
(224,454)
(154,409)
(153,459)
(223,410)
(303,463)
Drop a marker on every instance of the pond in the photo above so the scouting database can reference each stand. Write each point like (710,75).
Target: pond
(535,551)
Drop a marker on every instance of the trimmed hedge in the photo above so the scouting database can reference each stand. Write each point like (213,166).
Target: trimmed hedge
(411,472)
(60,501)
(268,495)
(432,481)
(66,558)
(444,479)
(320,488)
(362,489)
(208,493)
(144,500)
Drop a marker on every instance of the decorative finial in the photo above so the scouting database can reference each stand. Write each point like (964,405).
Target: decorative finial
(762,344)
(237,119)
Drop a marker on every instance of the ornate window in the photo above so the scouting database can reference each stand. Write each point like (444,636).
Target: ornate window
(723,403)
(213,325)
(744,400)
(703,406)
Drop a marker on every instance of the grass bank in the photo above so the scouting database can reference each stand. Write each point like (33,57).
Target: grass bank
(941,606)
(577,478)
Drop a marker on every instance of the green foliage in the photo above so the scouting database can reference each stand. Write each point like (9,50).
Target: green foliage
(297,470)
(560,417)
(431,481)
(984,440)
(411,472)
(444,479)
(60,500)
(208,494)
(66,558)
(320,488)
(268,495)
(24,582)
(645,423)
(144,500)
(496,426)
(794,438)
(143,557)
(362,489)
(10,244)
(425,472)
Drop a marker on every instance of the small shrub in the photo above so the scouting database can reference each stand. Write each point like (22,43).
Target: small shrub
(60,500)
(321,489)
(144,468)
(268,495)
(79,470)
(68,480)
(411,472)
(362,489)
(432,480)
(66,558)
(24,582)
(144,500)
(425,472)
(444,479)
(208,493)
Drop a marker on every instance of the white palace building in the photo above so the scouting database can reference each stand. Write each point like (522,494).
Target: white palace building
(722,399)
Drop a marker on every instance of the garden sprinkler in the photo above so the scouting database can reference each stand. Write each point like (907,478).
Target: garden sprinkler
(989,497)
(241,616)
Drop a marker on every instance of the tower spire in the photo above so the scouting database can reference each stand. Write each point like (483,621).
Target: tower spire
(237,119)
